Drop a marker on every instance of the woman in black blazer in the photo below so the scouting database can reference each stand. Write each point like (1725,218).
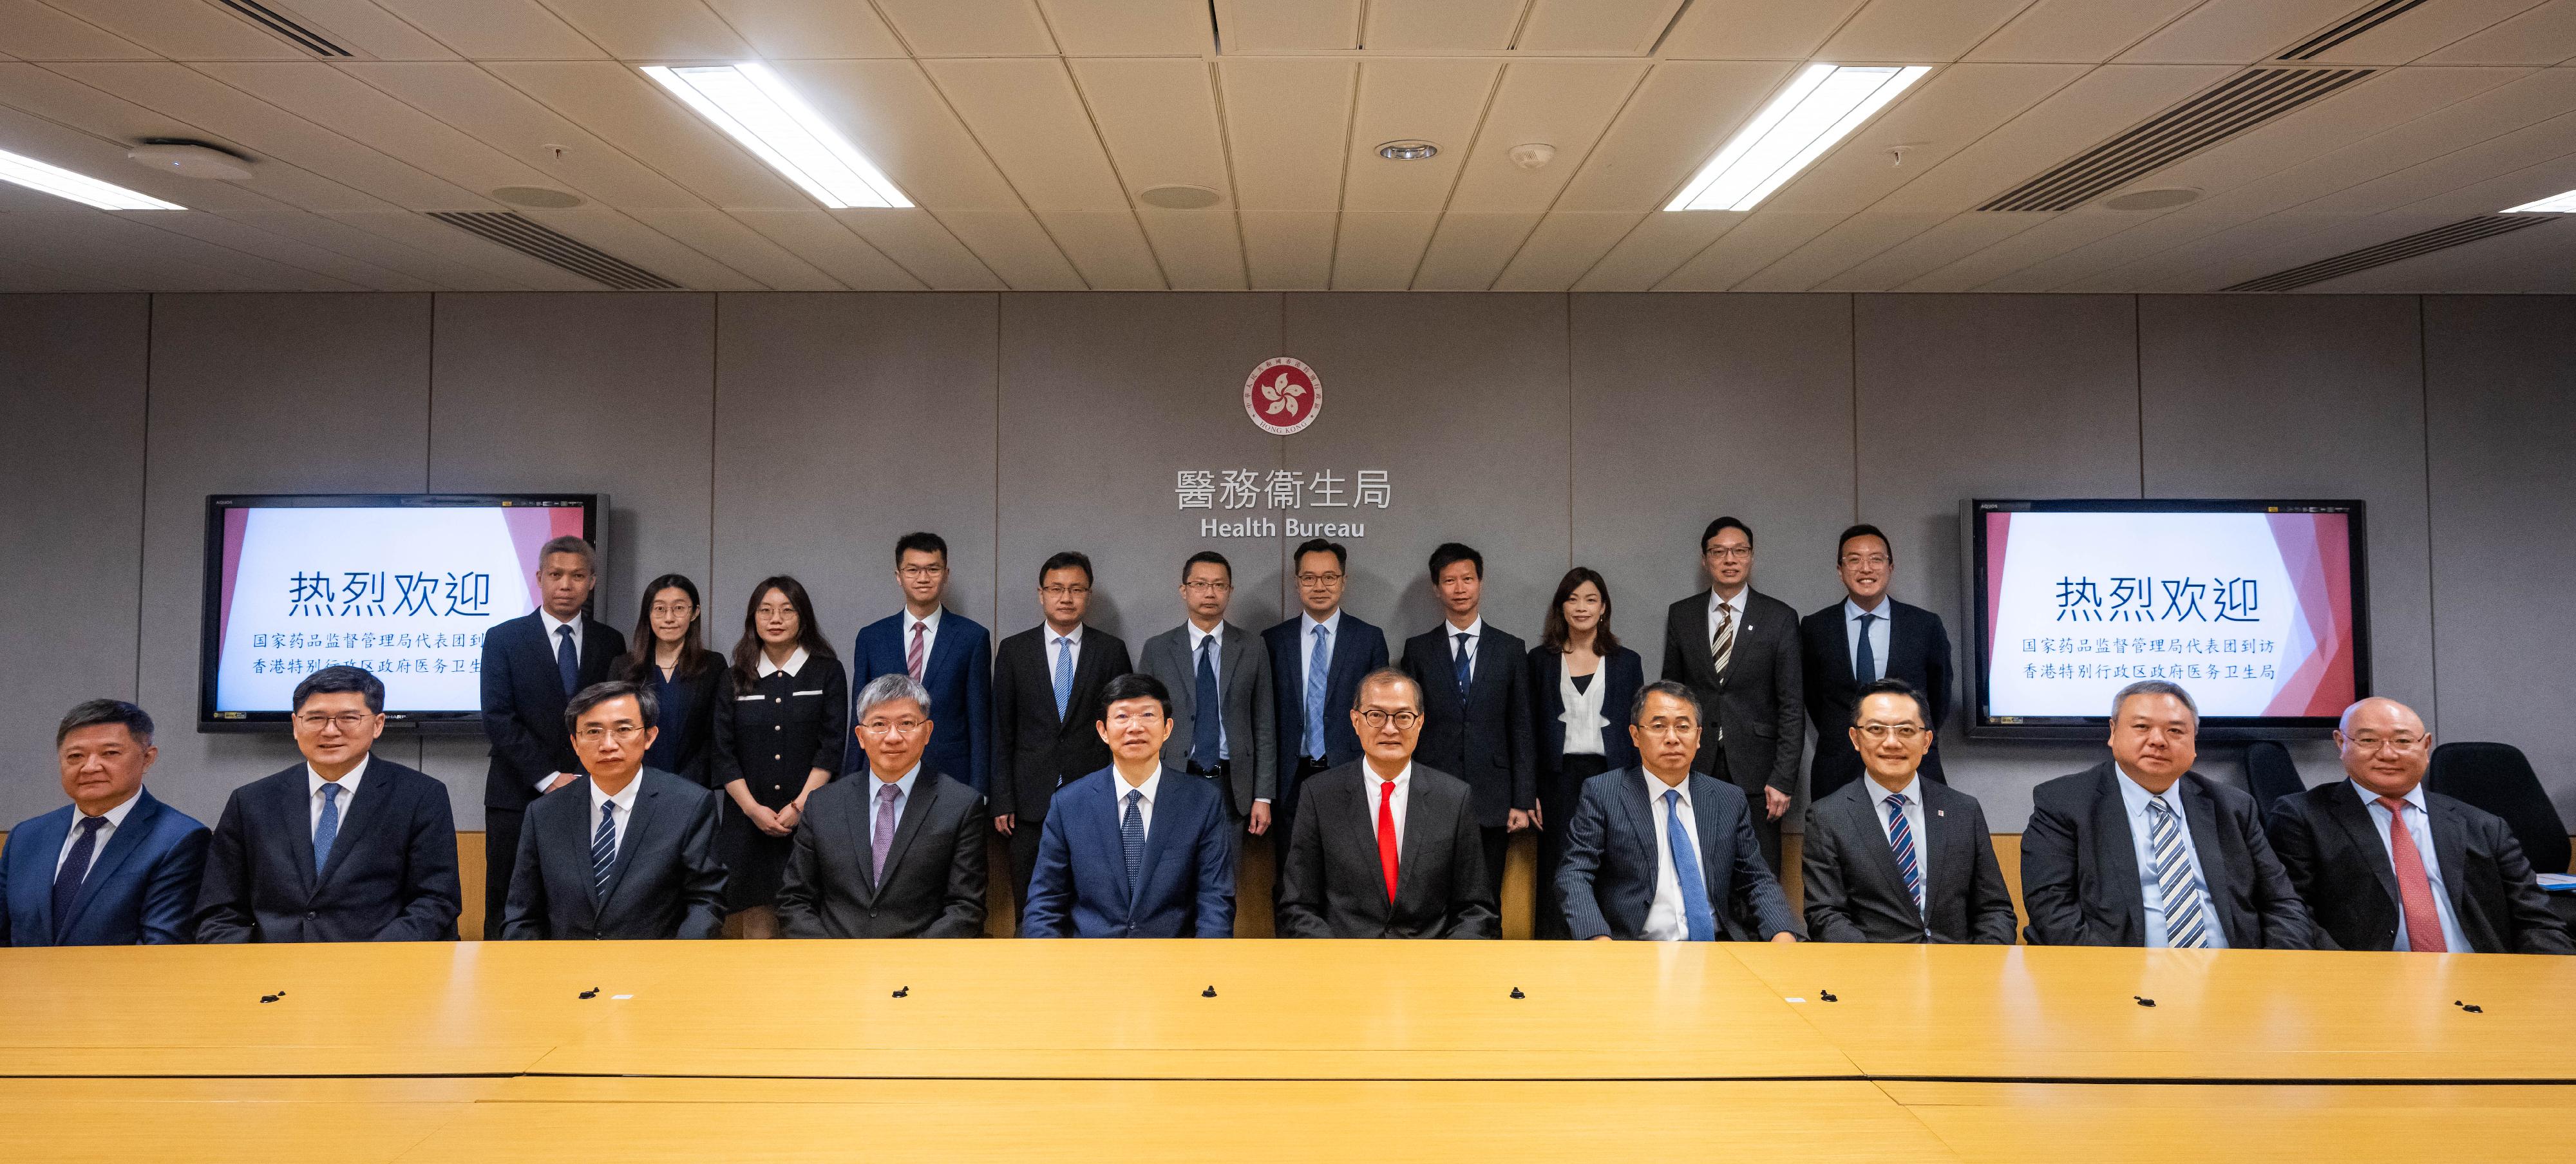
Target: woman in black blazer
(782,719)
(672,658)
(1581,682)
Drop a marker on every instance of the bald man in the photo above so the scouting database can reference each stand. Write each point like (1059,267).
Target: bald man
(2450,879)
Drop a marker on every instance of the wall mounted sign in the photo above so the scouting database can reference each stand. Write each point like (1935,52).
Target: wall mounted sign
(1283,396)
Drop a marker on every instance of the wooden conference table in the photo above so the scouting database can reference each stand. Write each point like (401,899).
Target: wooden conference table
(1084,1050)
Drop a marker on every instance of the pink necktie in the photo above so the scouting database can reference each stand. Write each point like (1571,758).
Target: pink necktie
(912,658)
(2414,891)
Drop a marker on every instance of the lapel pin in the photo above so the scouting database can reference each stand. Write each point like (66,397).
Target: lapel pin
(1940,812)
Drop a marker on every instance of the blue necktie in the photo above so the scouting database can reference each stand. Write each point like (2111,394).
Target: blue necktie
(1695,911)
(1458,663)
(2186,926)
(1865,667)
(67,880)
(1318,668)
(1063,675)
(1131,838)
(329,829)
(1207,711)
(567,661)
(603,848)
(1900,837)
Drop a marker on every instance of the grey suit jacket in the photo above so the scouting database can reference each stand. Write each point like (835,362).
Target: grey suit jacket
(1607,878)
(1856,894)
(1756,711)
(665,882)
(934,874)
(1333,886)
(1250,713)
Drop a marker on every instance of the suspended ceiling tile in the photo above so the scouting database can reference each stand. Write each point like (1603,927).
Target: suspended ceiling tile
(421,232)
(490,30)
(188,30)
(1469,251)
(631,113)
(1565,104)
(2353,115)
(719,236)
(625,237)
(2087,31)
(2049,235)
(1755,29)
(91,243)
(791,29)
(376,247)
(895,116)
(1031,121)
(1839,248)
(2102,103)
(654,30)
(35,32)
(177,235)
(1944,114)
(2545,35)
(1378,251)
(1107,248)
(364,29)
(970,28)
(1131,28)
(1158,118)
(2238,31)
(2423,29)
(1011,243)
(1661,242)
(1913,32)
(347,106)
(1954,238)
(1287,121)
(1288,250)
(479,104)
(1565,245)
(1433,100)
(1605,28)
(251,239)
(1262,26)
(1672,125)
(1455,26)
(1198,250)
(2531,100)
(915,239)
(1760,240)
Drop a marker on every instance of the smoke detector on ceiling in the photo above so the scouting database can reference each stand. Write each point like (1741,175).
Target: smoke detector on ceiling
(1179,197)
(189,159)
(1533,155)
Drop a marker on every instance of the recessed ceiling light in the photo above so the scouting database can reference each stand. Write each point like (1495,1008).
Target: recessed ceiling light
(2554,204)
(2160,198)
(756,108)
(62,183)
(1822,105)
(1407,151)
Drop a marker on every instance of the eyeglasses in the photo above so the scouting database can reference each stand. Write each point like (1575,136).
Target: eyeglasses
(1668,727)
(347,722)
(1318,579)
(676,609)
(900,727)
(1731,553)
(2402,743)
(1866,559)
(1064,591)
(918,572)
(1903,731)
(1404,721)
(1205,587)
(594,733)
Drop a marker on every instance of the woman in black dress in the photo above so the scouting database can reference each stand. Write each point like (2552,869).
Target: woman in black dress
(1581,681)
(781,721)
(672,658)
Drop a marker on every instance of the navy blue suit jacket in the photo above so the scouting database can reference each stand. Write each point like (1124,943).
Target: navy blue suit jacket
(1079,889)
(959,674)
(1358,649)
(524,699)
(141,888)
(1623,672)
(1611,861)
(390,877)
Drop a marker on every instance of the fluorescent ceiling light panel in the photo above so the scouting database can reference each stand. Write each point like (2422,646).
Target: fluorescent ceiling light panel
(1822,105)
(2554,204)
(756,108)
(62,183)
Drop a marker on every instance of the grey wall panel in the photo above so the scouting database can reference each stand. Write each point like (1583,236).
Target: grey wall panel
(2500,391)
(264,394)
(1462,400)
(71,457)
(1963,396)
(580,393)
(842,423)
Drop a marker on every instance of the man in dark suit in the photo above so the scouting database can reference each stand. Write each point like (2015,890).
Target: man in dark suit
(2140,850)
(2451,878)
(1389,848)
(1661,853)
(949,654)
(1737,650)
(1316,660)
(1046,699)
(1224,724)
(1476,705)
(626,852)
(343,847)
(532,665)
(1896,857)
(1866,637)
(1134,850)
(899,854)
(115,867)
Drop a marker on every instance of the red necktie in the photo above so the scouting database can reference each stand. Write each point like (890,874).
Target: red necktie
(912,658)
(2414,891)
(1386,833)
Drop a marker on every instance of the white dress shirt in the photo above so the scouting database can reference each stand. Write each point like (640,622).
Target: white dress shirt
(1449,632)
(1403,792)
(1913,793)
(116,817)
(625,802)
(2419,825)
(876,791)
(1665,921)
(1584,723)
(554,642)
(1197,636)
(2136,799)
(1075,635)
(348,792)
(929,636)
(795,663)
(1879,622)
(1717,606)
(1144,808)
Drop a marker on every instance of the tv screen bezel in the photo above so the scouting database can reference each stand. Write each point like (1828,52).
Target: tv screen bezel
(1982,724)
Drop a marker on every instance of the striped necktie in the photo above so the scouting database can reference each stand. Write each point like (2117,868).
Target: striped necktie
(2186,925)
(1900,837)
(1721,645)
(603,848)
(1131,839)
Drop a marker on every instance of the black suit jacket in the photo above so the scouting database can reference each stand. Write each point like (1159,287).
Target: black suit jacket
(523,703)
(2337,862)
(1918,651)
(1607,880)
(934,876)
(1855,893)
(1358,649)
(391,876)
(1755,708)
(1333,885)
(2079,867)
(1487,740)
(1623,671)
(1036,750)
(665,883)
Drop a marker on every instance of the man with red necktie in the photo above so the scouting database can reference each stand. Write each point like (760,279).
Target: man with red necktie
(1385,847)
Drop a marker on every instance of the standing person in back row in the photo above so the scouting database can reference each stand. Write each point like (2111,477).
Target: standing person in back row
(1046,705)
(1476,705)
(782,719)
(671,659)
(532,665)
(1218,675)
(1316,660)
(1737,650)
(1579,677)
(949,654)
(1858,641)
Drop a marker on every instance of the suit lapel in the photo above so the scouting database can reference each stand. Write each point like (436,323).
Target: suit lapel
(45,838)
(2450,847)
(1861,818)
(1230,663)
(2354,818)
(295,808)
(647,815)
(1703,669)
(1106,819)
(1849,639)
(1640,812)
(943,646)
(361,818)
(1944,835)
(1156,829)
(907,823)
(862,838)
(538,655)
(2111,819)
(127,838)
(2201,813)
(1086,678)
(1420,832)
(1704,814)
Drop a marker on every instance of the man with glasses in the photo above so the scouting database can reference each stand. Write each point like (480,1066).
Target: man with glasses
(2385,865)
(626,852)
(531,665)
(1046,699)
(1858,641)
(1387,848)
(1896,857)
(1316,661)
(344,847)
(1223,724)
(1737,650)
(897,855)
(947,653)
(1134,850)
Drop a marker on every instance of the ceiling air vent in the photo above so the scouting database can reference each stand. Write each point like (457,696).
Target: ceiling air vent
(2247,100)
(562,250)
(2359,23)
(285,26)
(2422,242)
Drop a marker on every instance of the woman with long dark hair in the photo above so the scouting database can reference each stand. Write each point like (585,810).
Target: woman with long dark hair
(671,657)
(781,722)
(1581,681)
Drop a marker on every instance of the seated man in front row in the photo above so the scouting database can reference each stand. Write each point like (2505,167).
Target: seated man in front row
(899,854)
(626,852)
(1134,850)
(1895,857)
(1386,848)
(2452,880)
(114,867)
(1665,854)
(2140,850)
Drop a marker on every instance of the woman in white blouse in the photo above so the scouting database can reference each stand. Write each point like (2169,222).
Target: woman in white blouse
(1581,682)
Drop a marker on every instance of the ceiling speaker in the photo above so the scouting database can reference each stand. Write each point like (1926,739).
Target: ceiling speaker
(1179,197)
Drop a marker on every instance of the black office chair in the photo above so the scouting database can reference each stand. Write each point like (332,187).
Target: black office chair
(2499,779)
(2270,775)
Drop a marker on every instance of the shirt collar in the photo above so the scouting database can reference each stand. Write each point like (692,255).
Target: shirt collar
(1913,792)
(1049,631)
(1198,636)
(1655,787)
(625,798)
(903,782)
(928,625)
(115,816)
(2135,796)
(1474,630)
(1736,603)
(1852,610)
(1332,626)
(1403,779)
(554,624)
(2414,796)
(348,784)
(1152,785)
(795,663)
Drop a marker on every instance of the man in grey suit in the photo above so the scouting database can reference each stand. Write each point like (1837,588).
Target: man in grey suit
(1737,650)
(1209,663)
(1387,848)
(1665,854)
(1896,857)
(897,855)
(625,852)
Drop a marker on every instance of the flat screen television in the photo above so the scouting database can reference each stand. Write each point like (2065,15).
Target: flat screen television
(2258,608)
(402,584)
